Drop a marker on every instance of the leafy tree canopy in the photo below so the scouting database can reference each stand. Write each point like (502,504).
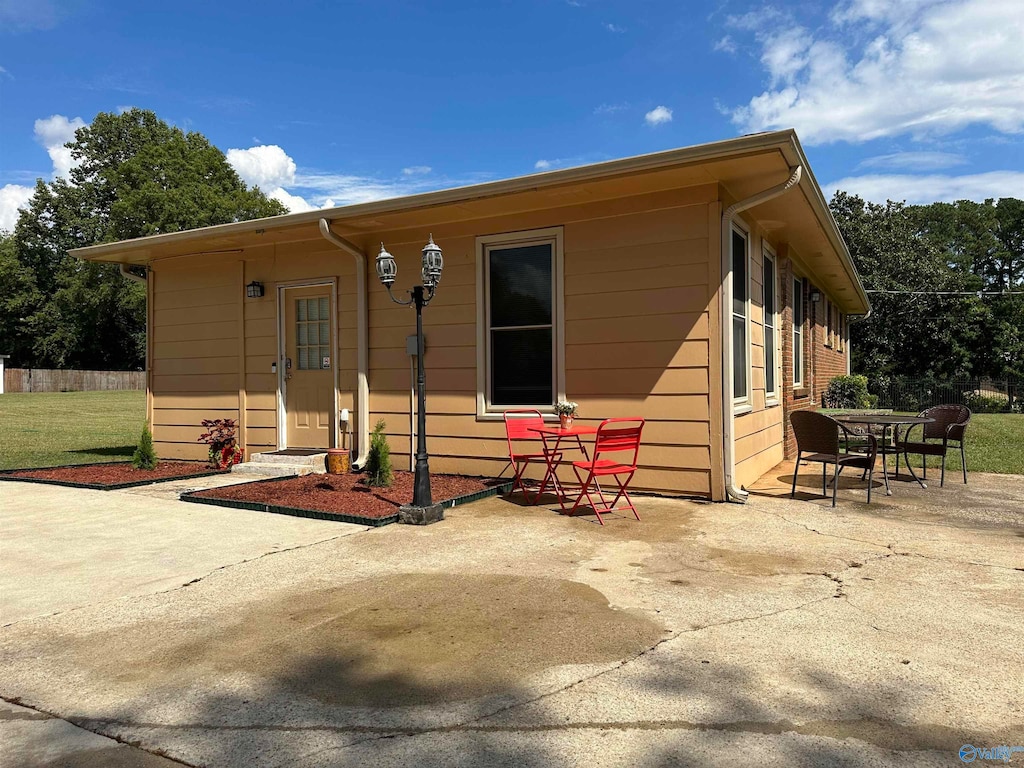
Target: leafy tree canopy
(958,248)
(134,175)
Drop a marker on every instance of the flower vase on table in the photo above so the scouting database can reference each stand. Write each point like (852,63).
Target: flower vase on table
(566,410)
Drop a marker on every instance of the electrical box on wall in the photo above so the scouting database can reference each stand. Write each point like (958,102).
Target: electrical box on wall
(410,345)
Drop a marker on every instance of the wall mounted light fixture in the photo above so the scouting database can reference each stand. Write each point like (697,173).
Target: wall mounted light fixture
(254,290)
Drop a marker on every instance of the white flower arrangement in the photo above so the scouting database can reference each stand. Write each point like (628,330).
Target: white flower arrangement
(566,408)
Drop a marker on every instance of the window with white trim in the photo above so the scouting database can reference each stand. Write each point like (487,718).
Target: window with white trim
(740,317)
(519,356)
(770,324)
(798,332)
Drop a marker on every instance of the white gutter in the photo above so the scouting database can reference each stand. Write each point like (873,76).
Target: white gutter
(362,341)
(123,269)
(732,493)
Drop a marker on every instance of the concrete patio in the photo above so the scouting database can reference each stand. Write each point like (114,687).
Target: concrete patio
(775,633)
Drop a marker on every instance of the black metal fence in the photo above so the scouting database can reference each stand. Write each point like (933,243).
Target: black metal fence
(980,395)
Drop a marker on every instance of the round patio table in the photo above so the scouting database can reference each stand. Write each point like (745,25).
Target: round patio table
(886,422)
(551,452)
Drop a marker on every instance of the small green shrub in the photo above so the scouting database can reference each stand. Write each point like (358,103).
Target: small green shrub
(981,403)
(847,392)
(378,461)
(145,455)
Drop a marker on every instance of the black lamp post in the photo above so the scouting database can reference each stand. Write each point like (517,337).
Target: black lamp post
(422,511)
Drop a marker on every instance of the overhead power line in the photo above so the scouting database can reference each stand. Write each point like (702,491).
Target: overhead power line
(979,294)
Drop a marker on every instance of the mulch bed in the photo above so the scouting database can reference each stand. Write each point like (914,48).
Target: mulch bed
(344,497)
(111,475)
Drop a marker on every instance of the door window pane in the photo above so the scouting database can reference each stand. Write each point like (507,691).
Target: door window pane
(312,332)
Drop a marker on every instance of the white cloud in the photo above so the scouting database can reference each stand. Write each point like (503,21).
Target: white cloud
(275,172)
(53,133)
(12,197)
(917,161)
(920,67)
(294,203)
(726,44)
(931,188)
(614,28)
(610,109)
(559,162)
(266,166)
(658,115)
(25,15)
(5,73)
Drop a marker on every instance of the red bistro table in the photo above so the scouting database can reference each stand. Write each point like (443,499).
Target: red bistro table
(552,438)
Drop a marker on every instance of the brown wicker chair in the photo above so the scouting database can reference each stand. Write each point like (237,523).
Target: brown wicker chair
(817,435)
(950,425)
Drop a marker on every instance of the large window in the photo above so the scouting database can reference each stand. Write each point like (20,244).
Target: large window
(520,323)
(798,332)
(770,342)
(740,295)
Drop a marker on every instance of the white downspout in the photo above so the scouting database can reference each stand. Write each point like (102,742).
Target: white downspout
(733,493)
(362,341)
(123,268)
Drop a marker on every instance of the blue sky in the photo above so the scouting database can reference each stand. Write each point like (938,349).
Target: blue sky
(334,103)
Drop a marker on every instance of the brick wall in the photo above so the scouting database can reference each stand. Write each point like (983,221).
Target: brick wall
(821,362)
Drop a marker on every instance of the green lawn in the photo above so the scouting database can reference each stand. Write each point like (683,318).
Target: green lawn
(49,429)
(42,429)
(995,443)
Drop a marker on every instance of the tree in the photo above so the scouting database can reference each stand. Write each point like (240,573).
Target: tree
(917,335)
(134,175)
(19,299)
(986,242)
(964,248)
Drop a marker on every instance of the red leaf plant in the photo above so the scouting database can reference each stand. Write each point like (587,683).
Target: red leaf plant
(220,436)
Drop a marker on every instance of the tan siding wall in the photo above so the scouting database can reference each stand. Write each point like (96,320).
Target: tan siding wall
(638,283)
(194,365)
(636,338)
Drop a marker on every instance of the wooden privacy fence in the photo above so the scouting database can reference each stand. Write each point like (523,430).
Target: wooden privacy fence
(48,380)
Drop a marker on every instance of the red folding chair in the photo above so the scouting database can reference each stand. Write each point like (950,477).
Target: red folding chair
(613,437)
(518,424)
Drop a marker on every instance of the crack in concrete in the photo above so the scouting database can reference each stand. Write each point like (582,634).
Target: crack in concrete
(131,744)
(883,733)
(185,585)
(891,546)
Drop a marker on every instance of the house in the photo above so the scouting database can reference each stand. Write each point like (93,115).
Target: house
(706,289)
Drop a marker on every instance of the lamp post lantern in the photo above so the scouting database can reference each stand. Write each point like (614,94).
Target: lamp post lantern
(422,511)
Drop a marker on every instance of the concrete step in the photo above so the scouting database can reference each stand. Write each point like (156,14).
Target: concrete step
(281,463)
(275,470)
(283,457)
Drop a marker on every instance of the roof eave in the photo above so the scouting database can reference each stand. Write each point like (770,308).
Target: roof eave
(648,162)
